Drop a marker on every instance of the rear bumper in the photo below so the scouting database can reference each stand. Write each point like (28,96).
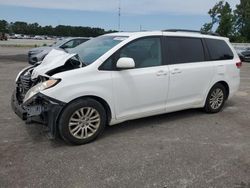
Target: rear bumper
(234,86)
(41,109)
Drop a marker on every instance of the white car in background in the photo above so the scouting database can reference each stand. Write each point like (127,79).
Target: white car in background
(124,76)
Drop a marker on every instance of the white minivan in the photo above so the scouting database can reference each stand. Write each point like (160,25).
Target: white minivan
(124,76)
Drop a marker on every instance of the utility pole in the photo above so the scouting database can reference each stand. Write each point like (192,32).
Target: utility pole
(119,15)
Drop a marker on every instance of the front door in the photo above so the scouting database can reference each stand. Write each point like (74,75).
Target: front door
(141,91)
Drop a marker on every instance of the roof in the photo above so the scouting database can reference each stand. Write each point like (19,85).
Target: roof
(183,33)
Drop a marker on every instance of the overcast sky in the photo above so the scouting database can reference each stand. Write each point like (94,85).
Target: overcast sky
(159,13)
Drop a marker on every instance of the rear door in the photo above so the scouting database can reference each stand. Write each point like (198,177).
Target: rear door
(190,73)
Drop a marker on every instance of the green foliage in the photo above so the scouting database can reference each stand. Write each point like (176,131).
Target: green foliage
(242,21)
(233,24)
(20,27)
(225,27)
(222,15)
(60,30)
(3,26)
(207,28)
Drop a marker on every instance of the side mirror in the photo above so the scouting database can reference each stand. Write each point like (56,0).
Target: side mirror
(125,63)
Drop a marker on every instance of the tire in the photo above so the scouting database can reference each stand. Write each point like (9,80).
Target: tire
(82,121)
(216,94)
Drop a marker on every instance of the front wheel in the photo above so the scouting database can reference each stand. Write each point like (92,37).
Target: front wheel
(215,99)
(82,121)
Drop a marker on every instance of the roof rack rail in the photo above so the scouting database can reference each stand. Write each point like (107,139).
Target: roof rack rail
(192,31)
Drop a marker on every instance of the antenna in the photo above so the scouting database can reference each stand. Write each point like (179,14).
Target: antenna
(119,15)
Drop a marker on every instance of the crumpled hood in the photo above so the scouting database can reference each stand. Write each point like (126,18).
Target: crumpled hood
(54,59)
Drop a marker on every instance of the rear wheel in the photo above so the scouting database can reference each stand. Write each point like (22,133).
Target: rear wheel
(82,121)
(215,99)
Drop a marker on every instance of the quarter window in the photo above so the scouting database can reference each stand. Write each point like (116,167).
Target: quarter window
(219,50)
(185,50)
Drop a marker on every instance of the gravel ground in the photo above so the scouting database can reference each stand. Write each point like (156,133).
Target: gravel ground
(182,149)
(26,42)
(13,53)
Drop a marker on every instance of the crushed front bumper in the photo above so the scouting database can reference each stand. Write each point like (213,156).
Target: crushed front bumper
(41,109)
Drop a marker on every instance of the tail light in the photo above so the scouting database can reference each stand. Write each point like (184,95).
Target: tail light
(239,65)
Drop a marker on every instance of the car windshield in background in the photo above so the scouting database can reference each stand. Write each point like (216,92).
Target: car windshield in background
(59,43)
(91,50)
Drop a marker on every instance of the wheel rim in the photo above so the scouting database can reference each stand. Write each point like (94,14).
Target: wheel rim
(84,122)
(216,99)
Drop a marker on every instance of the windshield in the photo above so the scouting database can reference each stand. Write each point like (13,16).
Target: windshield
(59,42)
(91,50)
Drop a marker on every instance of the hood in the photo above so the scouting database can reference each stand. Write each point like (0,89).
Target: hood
(41,48)
(56,58)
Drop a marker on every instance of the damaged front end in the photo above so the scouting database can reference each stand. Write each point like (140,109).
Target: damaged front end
(38,107)
(27,100)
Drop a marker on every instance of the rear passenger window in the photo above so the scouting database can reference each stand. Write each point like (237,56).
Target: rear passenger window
(185,50)
(219,50)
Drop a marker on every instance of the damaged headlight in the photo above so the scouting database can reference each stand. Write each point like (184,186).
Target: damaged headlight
(40,87)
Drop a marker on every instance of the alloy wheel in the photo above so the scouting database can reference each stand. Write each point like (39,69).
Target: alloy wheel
(84,122)
(216,99)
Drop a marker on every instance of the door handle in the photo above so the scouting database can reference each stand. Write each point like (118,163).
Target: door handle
(161,73)
(176,71)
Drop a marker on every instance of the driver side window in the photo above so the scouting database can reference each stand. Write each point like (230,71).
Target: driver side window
(146,52)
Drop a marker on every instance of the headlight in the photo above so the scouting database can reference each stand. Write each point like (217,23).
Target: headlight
(40,87)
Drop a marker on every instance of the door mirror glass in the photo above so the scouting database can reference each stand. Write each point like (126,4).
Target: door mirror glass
(125,63)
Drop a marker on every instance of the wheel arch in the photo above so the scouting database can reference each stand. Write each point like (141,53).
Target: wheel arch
(225,84)
(103,102)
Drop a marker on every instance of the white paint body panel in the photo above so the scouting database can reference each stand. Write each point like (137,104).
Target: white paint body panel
(137,93)
(54,59)
(189,83)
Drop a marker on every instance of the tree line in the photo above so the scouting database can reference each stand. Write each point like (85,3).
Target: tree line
(227,22)
(60,30)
